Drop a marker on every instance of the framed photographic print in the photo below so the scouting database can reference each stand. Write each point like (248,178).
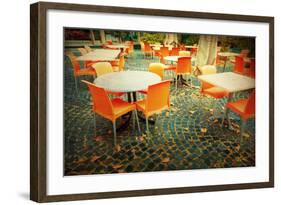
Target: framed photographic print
(135,102)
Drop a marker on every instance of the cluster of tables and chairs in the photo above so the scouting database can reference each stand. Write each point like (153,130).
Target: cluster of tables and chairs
(107,64)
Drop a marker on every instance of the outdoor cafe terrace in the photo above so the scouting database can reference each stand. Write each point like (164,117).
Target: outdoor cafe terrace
(188,133)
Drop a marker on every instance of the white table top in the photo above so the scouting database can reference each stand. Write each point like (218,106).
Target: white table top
(158,48)
(232,82)
(100,55)
(228,54)
(127,81)
(191,46)
(117,46)
(175,58)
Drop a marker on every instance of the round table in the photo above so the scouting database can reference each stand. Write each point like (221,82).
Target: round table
(129,82)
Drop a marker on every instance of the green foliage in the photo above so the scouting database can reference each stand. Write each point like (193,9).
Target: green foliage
(153,37)
(189,39)
(237,43)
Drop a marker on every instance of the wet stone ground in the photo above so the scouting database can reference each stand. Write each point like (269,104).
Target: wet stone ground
(190,137)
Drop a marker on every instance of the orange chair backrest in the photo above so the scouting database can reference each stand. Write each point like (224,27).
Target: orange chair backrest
(100,99)
(175,51)
(122,61)
(239,64)
(74,62)
(102,68)
(157,68)
(251,104)
(252,72)
(147,47)
(184,65)
(164,51)
(158,97)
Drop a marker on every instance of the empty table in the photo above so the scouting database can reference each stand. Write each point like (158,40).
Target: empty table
(100,55)
(129,82)
(231,82)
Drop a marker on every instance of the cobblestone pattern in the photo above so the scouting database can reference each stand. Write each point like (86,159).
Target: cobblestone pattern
(189,137)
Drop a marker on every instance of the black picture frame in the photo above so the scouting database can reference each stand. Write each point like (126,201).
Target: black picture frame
(38,100)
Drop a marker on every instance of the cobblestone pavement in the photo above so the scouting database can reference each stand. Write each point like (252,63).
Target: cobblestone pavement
(190,138)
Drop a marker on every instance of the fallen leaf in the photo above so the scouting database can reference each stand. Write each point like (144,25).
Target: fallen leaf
(166,160)
(204,130)
(99,139)
(141,138)
(237,147)
(246,135)
(186,129)
(117,166)
(118,148)
(82,160)
(216,120)
(191,111)
(95,158)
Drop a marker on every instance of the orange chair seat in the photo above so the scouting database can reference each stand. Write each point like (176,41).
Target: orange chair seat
(141,107)
(215,92)
(86,71)
(239,108)
(120,107)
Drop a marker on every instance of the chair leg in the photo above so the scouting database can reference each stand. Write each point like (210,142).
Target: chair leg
(242,127)
(114,131)
(147,129)
(138,124)
(176,82)
(95,126)
(76,83)
(223,117)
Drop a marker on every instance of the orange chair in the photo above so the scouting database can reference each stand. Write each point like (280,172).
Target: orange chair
(83,51)
(118,65)
(109,109)
(245,108)
(175,51)
(147,49)
(183,68)
(102,68)
(239,65)
(157,68)
(157,100)
(211,90)
(130,44)
(77,70)
(251,71)
(164,51)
